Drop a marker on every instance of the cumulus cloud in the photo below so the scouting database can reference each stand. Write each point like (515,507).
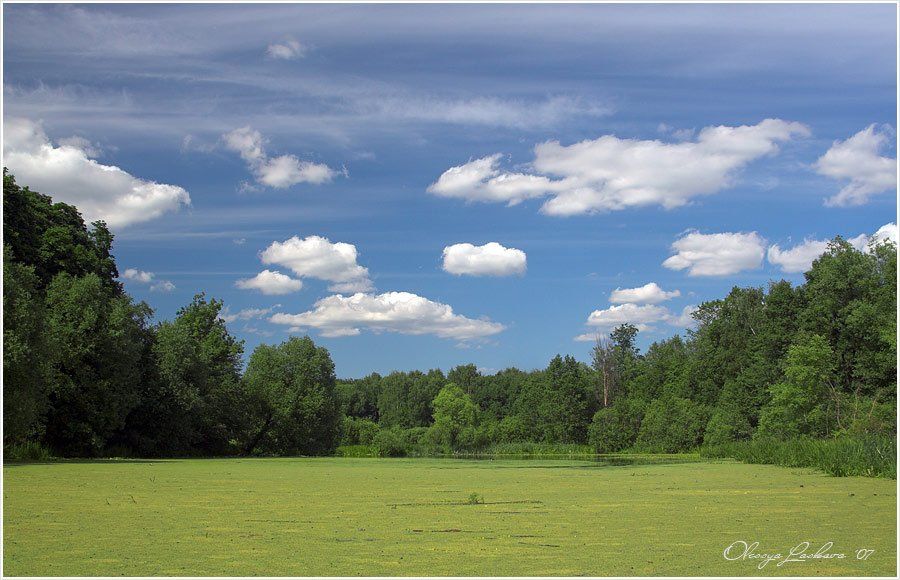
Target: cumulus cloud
(491,259)
(716,254)
(800,257)
(287,50)
(647,294)
(609,173)
(278,172)
(138,275)
(642,316)
(141,277)
(67,173)
(270,282)
(399,312)
(318,257)
(685,319)
(858,160)
(246,313)
(162,286)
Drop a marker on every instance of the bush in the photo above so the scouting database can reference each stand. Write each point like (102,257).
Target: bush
(397,442)
(25,452)
(869,456)
(355,431)
(726,425)
(671,425)
(355,451)
(614,428)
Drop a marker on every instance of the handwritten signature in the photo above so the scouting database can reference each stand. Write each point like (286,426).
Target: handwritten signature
(741,550)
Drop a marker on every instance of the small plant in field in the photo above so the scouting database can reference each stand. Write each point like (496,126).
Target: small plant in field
(475,499)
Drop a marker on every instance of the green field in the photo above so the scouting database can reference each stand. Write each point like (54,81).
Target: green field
(342,516)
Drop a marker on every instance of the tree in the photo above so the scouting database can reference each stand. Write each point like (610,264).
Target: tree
(199,367)
(671,425)
(96,339)
(53,238)
(291,389)
(455,417)
(465,377)
(615,428)
(26,370)
(604,362)
(807,403)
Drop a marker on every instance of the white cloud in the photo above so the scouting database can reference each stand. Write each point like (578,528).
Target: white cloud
(647,294)
(68,174)
(481,180)
(857,159)
(246,313)
(278,172)
(800,257)
(399,312)
(609,173)
(716,254)
(491,259)
(318,257)
(138,275)
(270,282)
(685,319)
(887,232)
(142,277)
(89,149)
(287,50)
(642,316)
(162,286)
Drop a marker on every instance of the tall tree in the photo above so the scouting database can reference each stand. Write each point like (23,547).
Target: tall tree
(96,340)
(199,366)
(26,369)
(291,389)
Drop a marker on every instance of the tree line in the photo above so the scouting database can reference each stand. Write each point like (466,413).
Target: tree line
(86,372)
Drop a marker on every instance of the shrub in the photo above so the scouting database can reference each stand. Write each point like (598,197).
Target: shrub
(870,456)
(614,428)
(25,452)
(355,431)
(671,425)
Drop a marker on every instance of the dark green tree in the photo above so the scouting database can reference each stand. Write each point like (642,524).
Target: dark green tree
(291,389)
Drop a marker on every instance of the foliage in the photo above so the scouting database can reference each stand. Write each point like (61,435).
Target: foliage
(27,452)
(455,418)
(868,456)
(291,391)
(615,428)
(671,425)
(26,353)
(96,340)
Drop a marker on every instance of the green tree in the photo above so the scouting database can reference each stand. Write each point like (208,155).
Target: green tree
(53,238)
(291,388)
(199,368)
(455,417)
(97,340)
(671,425)
(26,370)
(807,403)
(615,428)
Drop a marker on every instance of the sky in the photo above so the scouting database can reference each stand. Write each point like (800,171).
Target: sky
(422,186)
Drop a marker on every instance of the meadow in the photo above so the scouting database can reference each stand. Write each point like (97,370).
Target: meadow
(370,516)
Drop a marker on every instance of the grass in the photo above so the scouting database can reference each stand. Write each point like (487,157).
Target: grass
(870,456)
(352,516)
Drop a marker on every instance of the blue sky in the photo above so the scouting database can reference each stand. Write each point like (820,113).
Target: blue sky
(577,134)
